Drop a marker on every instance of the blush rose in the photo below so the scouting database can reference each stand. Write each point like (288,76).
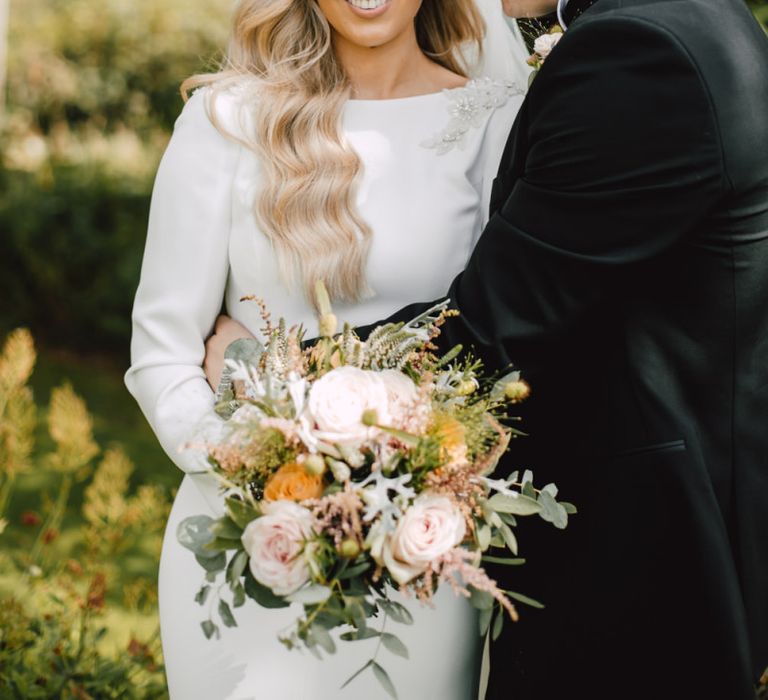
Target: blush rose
(432,526)
(274,543)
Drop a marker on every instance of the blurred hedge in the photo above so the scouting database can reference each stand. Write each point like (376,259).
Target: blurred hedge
(92,95)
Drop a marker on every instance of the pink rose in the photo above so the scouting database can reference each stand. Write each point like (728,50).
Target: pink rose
(432,526)
(274,543)
(545,43)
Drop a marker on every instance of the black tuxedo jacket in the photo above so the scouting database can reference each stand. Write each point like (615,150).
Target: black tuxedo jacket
(625,271)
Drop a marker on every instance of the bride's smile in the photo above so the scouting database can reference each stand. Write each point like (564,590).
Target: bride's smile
(369,8)
(370,23)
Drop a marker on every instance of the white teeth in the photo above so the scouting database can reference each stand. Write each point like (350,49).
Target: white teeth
(367,4)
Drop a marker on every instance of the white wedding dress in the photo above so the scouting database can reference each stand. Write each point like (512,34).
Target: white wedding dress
(429,162)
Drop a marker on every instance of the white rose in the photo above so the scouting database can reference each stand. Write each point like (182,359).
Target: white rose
(338,400)
(432,526)
(545,43)
(274,543)
(401,391)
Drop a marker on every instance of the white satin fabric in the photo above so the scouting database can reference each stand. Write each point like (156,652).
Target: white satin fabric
(204,248)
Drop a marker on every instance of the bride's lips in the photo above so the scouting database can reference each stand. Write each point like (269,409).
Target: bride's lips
(376,9)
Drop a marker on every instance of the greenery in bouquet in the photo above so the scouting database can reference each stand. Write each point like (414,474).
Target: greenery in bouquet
(353,468)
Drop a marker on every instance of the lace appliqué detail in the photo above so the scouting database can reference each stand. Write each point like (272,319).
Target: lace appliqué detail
(469,106)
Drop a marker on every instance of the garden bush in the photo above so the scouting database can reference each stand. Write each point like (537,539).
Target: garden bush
(78,570)
(93,90)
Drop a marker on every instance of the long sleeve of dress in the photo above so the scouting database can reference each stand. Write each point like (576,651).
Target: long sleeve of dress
(183,277)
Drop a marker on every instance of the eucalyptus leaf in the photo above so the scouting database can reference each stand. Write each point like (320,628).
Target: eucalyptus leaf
(213,565)
(528,490)
(569,508)
(515,505)
(360,634)
(241,512)
(209,629)
(503,560)
(356,570)
(484,620)
(225,613)
(399,613)
(202,595)
(261,594)
(482,600)
(357,673)
(386,682)
(323,638)
(394,645)
(227,529)
(552,511)
(195,532)
(311,595)
(498,625)
(509,519)
(509,538)
(236,567)
(497,540)
(238,596)
(525,599)
(483,537)
(551,489)
(356,612)
(528,477)
(219,544)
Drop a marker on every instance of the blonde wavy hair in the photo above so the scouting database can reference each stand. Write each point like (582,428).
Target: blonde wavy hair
(307,203)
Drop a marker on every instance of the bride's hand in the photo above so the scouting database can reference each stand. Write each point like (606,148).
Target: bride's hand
(225,332)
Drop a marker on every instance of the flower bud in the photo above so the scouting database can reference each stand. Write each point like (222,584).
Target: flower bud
(370,417)
(341,472)
(315,465)
(328,325)
(466,387)
(517,391)
(349,548)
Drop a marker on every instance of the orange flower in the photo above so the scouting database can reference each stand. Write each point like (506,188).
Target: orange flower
(293,483)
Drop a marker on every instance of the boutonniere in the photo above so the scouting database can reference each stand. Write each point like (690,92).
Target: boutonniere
(542,47)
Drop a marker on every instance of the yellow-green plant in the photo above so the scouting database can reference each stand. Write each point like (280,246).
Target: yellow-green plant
(69,610)
(71,428)
(18,415)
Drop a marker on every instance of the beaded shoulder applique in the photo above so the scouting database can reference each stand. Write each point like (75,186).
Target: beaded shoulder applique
(468,108)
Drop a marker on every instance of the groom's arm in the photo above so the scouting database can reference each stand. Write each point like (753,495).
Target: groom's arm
(623,159)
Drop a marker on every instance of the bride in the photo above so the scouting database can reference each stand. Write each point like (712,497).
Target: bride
(342,142)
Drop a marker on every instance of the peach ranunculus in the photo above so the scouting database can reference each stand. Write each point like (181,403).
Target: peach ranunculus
(292,482)
(275,544)
(431,527)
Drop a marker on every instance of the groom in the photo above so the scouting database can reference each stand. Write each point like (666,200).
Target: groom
(625,271)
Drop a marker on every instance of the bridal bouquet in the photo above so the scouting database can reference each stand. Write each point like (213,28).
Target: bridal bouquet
(353,468)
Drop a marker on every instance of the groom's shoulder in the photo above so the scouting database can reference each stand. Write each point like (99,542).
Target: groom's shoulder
(699,27)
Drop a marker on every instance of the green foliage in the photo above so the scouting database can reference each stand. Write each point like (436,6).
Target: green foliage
(55,655)
(93,90)
(71,611)
(760,8)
